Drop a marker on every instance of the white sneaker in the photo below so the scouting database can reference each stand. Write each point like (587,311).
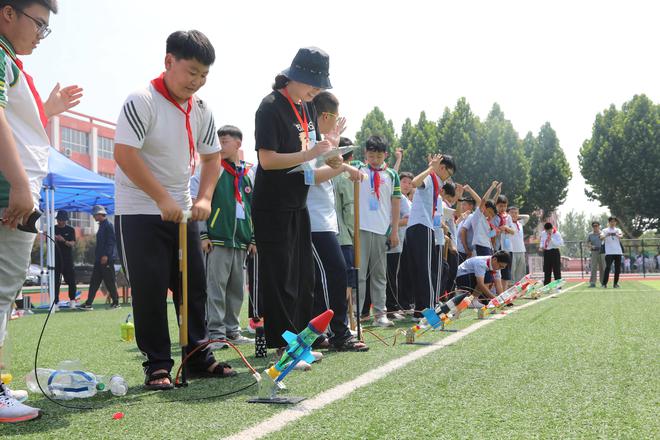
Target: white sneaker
(20,395)
(382,321)
(13,411)
(239,339)
(317,355)
(395,316)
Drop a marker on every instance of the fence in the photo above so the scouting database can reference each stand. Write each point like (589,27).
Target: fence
(641,258)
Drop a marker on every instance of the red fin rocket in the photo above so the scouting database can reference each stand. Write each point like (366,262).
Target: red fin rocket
(321,322)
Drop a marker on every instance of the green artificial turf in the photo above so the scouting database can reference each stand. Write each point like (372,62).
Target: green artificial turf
(582,365)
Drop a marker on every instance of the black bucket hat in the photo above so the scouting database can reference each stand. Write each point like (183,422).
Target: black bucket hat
(62,215)
(310,66)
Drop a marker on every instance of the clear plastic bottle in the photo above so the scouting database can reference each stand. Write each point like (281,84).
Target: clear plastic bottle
(116,384)
(63,384)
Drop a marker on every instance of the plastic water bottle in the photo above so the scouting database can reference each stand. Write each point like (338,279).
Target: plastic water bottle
(127,330)
(62,384)
(116,384)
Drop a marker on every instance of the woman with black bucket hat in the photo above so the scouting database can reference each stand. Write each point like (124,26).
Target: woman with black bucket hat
(286,136)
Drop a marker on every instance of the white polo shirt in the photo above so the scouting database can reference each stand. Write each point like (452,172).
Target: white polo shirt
(379,220)
(518,237)
(477,266)
(612,242)
(154,126)
(467,225)
(555,241)
(421,211)
(481,229)
(503,240)
(321,207)
(22,115)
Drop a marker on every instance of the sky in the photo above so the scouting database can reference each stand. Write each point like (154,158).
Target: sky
(557,61)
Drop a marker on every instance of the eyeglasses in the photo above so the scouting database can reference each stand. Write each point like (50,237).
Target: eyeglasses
(42,28)
(331,114)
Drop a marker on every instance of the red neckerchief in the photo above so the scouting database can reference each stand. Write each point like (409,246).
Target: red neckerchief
(502,217)
(436,191)
(303,120)
(30,83)
(517,225)
(375,179)
(490,268)
(159,85)
(237,178)
(548,237)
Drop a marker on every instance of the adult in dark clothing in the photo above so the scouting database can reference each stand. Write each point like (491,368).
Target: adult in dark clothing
(286,136)
(65,239)
(104,262)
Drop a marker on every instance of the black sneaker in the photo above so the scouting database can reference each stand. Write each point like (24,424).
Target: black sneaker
(616,286)
(115,306)
(86,307)
(604,286)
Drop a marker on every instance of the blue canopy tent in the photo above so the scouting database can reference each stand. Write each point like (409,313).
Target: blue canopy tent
(76,189)
(73,188)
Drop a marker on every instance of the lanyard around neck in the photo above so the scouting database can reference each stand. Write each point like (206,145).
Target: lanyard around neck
(303,120)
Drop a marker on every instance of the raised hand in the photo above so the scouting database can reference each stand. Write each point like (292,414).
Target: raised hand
(398,153)
(335,135)
(61,99)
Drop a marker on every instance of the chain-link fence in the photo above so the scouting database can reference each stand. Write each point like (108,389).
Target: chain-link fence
(641,258)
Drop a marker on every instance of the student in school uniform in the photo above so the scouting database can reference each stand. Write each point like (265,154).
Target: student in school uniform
(549,243)
(482,220)
(394,302)
(419,257)
(329,263)
(464,231)
(380,195)
(344,207)
(227,239)
(518,255)
(476,273)
(611,236)
(160,131)
(24,147)
(446,196)
(505,231)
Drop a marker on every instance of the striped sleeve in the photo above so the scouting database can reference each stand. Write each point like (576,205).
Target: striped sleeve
(5,69)
(134,120)
(396,184)
(207,139)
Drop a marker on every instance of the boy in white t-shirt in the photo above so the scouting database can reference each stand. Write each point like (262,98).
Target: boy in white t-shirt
(613,251)
(329,263)
(160,131)
(504,225)
(549,242)
(476,273)
(420,257)
(482,220)
(518,260)
(24,149)
(380,195)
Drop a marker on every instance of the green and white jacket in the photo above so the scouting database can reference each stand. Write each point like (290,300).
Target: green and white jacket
(223,227)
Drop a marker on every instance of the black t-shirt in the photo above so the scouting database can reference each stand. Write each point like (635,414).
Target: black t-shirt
(69,234)
(277,129)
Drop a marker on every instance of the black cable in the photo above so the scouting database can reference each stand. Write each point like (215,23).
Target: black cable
(92,407)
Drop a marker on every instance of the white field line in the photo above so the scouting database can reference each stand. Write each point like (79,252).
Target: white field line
(281,419)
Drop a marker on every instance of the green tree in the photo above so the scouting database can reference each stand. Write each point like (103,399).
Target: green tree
(374,123)
(503,146)
(550,171)
(574,228)
(418,142)
(461,135)
(620,163)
